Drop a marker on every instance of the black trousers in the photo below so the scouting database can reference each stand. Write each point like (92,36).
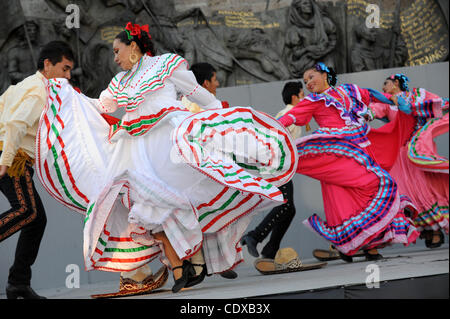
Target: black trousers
(277,221)
(26,215)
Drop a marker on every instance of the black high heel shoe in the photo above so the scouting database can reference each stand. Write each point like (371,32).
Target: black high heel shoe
(197,279)
(188,273)
(346,258)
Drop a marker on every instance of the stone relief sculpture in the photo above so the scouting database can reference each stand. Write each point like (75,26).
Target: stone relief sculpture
(366,53)
(264,46)
(85,17)
(22,58)
(88,22)
(311,37)
(4,78)
(373,50)
(202,45)
(396,53)
(162,19)
(255,45)
(98,68)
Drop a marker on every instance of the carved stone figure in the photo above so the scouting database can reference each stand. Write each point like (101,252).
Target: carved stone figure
(98,68)
(255,45)
(59,25)
(88,22)
(244,47)
(395,50)
(202,45)
(366,53)
(162,18)
(85,17)
(21,60)
(311,37)
(400,52)
(4,78)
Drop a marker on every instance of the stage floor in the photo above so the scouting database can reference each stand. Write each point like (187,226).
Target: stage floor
(397,266)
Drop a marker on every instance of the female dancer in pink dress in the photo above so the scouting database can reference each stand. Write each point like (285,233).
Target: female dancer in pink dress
(420,172)
(361,200)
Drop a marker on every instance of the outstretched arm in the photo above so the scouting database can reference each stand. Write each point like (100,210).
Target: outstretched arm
(185,81)
(383,105)
(300,115)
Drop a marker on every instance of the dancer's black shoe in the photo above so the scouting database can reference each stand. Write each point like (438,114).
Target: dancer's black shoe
(229,274)
(346,258)
(193,281)
(372,257)
(429,242)
(188,273)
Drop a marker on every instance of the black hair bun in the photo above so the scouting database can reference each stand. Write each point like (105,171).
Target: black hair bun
(332,77)
(145,43)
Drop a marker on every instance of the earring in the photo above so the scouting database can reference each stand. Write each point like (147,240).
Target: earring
(133,58)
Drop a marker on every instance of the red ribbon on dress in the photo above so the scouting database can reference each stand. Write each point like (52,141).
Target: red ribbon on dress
(225,104)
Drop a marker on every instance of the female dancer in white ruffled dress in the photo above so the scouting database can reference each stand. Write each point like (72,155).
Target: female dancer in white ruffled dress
(162,179)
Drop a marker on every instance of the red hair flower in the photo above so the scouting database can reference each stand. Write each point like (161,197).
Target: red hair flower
(146,29)
(136,29)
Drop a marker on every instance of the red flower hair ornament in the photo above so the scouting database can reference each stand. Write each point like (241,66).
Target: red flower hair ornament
(136,30)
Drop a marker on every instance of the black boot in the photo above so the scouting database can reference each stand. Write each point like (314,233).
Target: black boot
(24,291)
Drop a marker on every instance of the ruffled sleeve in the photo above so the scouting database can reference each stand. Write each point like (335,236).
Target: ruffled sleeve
(379,103)
(384,111)
(185,81)
(107,103)
(301,114)
(424,104)
(431,105)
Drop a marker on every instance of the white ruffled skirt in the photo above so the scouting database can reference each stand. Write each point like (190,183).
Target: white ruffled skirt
(200,178)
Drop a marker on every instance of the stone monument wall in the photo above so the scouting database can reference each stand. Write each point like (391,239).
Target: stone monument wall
(247,41)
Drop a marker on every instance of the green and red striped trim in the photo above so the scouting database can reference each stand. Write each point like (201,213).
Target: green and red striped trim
(71,195)
(143,124)
(168,63)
